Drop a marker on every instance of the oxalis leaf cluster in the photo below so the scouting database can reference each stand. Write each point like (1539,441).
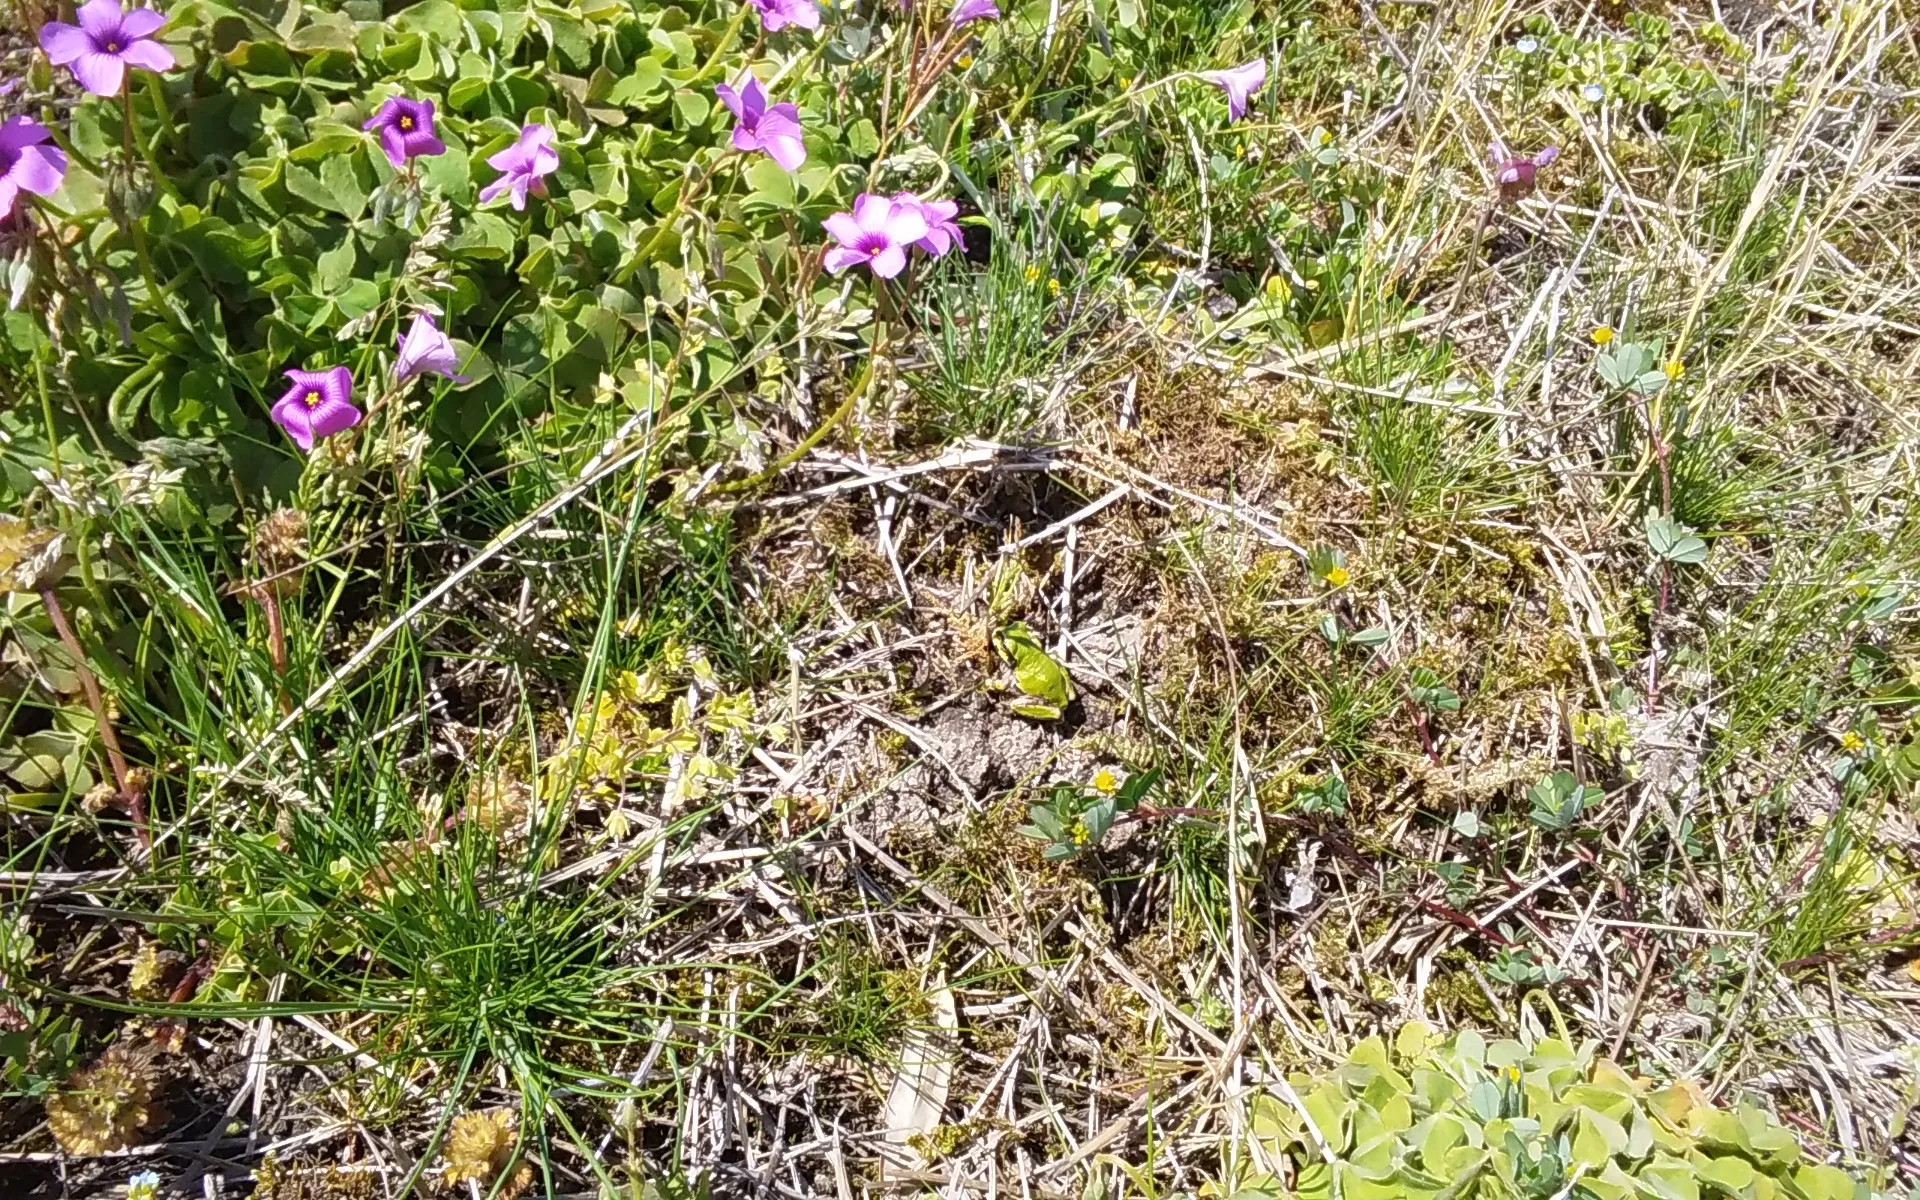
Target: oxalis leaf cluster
(1438,1119)
(293,213)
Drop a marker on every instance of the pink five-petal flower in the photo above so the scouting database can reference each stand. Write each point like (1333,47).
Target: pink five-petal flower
(973,10)
(1239,83)
(1515,173)
(775,130)
(405,129)
(877,232)
(424,349)
(522,165)
(943,232)
(778,14)
(105,43)
(318,405)
(26,165)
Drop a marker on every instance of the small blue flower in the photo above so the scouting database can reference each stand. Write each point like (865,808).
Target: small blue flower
(1527,45)
(1594,93)
(144,1186)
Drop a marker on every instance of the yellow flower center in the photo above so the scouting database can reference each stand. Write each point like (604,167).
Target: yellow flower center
(311,399)
(406,122)
(113,47)
(1337,577)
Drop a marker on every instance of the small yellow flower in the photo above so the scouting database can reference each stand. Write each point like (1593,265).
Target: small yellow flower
(1080,834)
(1602,334)
(1104,781)
(1513,1074)
(1126,82)
(1852,742)
(964,61)
(1053,287)
(1033,272)
(1674,368)
(1337,577)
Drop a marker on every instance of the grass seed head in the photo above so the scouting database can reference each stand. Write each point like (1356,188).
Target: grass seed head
(32,558)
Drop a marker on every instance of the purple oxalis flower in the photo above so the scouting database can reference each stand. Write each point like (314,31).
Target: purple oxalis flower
(877,232)
(405,129)
(778,14)
(318,405)
(105,43)
(943,232)
(1239,83)
(973,10)
(26,165)
(1514,173)
(775,130)
(426,350)
(522,164)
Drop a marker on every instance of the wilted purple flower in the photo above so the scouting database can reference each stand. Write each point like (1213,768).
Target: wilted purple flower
(1515,173)
(778,14)
(522,164)
(26,165)
(318,405)
(426,350)
(1239,83)
(877,232)
(943,232)
(775,130)
(973,10)
(105,43)
(405,130)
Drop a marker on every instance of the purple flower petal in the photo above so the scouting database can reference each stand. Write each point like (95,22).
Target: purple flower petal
(101,19)
(786,149)
(318,405)
(148,54)
(523,164)
(425,349)
(20,132)
(141,23)
(905,225)
(843,228)
(395,144)
(728,97)
(421,144)
(39,170)
(889,262)
(870,212)
(973,10)
(1239,83)
(839,258)
(64,43)
(99,73)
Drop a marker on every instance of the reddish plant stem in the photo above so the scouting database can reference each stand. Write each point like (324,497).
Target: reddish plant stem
(1456,917)
(276,645)
(1426,735)
(130,797)
(190,982)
